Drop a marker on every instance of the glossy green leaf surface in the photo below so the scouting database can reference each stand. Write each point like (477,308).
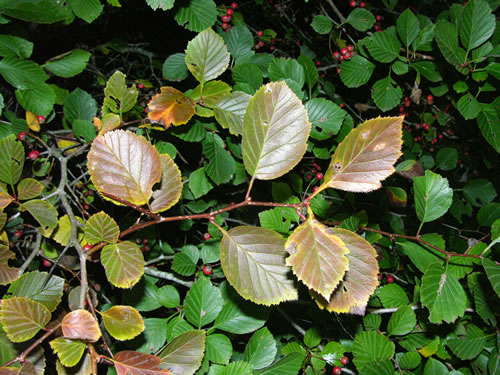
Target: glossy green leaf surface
(402,321)
(119,98)
(261,349)
(42,211)
(356,71)
(203,303)
(196,15)
(183,354)
(11,160)
(69,351)
(369,346)
(361,19)
(70,64)
(433,196)
(478,24)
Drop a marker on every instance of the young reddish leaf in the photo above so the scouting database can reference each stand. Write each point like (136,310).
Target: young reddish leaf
(366,156)
(183,354)
(124,165)
(318,257)
(22,318)
(80,325)
(275,131)
(29,188)
(253,260)
(5,200)
(124,263)
(171,106)
(68,351)
(171,186)
(101,227)
(7,274)
(360,280)
(123,322)
(129,362)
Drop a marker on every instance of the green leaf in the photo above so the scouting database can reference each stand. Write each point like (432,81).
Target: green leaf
(168,296)
(11,159)
(428,69)
(477,25)
(210,94)
(442,294)
(101,227)
(321,24)
(87,10)
(199,183)
(361,19)
(154,336)
(288,365)
(410,360)
(470,345)
(402,321)
(119,98)
(274,111)
(369,346)
(221,166)
(488,214)
(39,287)
(79,105)
(493,69)
(184,262)
(14,46)
(408,27)
(372,322)
(43,11)
(253,260)
(239,41)
(203,303)
(22,318)
(310,71)
(22,74)
(122,322)
(447,40)
(489,124)
(248,74)
(479,192)
(383,367)
(234,368)
(230,111)
(261,349)
(447,158)
(384,46)
(144,295)
(123,263)
(207,56)
(356,71)
(392,295)
(42,211)
(399,67)
(84,130)
(434,367)
(282,69)
(69,351)
(161,4)
(493,272)
(433,196)
(273,219)
(219,349)
(197,15)
(39,100)
(175,68)
(468,106)
(183,354)
(70,64)
(312,338)
(326,118)
(29,188)
(386,93)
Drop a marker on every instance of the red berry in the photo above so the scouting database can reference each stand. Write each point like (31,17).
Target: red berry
(319,176)
(21,136)
(341,58)
(229,12)
(362,4)
(352,3)
(350,48)
(440,136)
(226,18)
(46,263)
(229,28)
(343,51)
(390,279)
(257,46)
(33,155)
(430,99)
(207,236)
(315,189)
(18,233)
(87,247)
(341,105)
(348,55)
(261,43)
(234,5)
(344,360)
(145,241)
(271,48)
(40,118)
(337,370)
(378,18)
(207,270)
(225,25)
(318,63)
(260,33)
(380,276)
(336,55)
(140,86)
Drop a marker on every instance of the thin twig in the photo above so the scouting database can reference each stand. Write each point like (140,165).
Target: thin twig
(167,276)
(33,254)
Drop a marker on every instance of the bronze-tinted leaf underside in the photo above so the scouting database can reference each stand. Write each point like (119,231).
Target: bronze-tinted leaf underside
(171,186)
(128,362)
(171,106)
(80,324)
(366,156)
(183,355)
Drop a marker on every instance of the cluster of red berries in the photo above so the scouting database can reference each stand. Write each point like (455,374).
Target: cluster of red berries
(226,18)
(354,3)
(430,99)
(390,278)
(338,370)
(315,171)
(260,43)
(144,242)
(140,85)
(345,53)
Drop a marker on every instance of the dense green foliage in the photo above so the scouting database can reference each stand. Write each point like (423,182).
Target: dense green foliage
(227,204)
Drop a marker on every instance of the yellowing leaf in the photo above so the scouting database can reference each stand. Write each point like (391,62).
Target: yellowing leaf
(124,165)
(360,280)
(129,362)
(366,156)
(123,322)
(101,227)
(32,121)
(253,260)
(29,188)
(7,274)
(68,351)
(171,186)
(124,263)
(22,318)
(66,143)
(211,93)
(62,232)
(318,257)
(171,106)
(110,121)
(80,325)
(5,200)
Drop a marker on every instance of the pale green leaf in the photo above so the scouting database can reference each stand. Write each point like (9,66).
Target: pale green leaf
(28,188)
(123,263)
(22,318)
(239,40)
(433,196)
(39,99)
(288,365)
(310,70)
(160,4)
(87,10)
(219,349)
(22,74)
(392,295)
(493,272)
(14,46)
(69,351)
(261,349)
(119,98)
(196,15)
(11,159)
(287,69)
(70,64)
(369,346)
(402,321)
(101,227)
(321,24)
(42,211)
(489,124)
(123,322)
(356,71)
(183,354)
(203,303)
(230,111)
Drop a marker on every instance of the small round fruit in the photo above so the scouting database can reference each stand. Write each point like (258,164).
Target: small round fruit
(315,189)
(260,33)
(140,86)
(261,43)
(336,55)
(225,25)
(226,18)
(207,236)
(430,99)
(18,233)
(33,155)
(344,360)
(319,176)
(352,3)
(40,118)
(229,12)
(87,247)
(207,270)
(350,48)
(390,279)
(337,370)
(21,136)
(234,5)
(46,263)
(343,51)
(362,4)
(378,18)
